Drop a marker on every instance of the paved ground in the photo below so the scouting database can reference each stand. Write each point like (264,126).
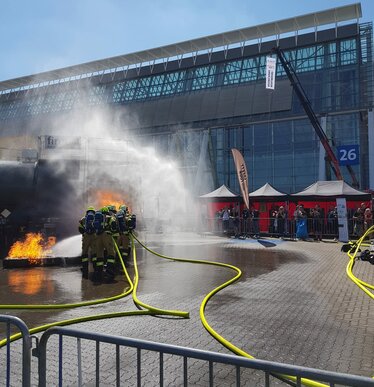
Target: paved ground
(294,305)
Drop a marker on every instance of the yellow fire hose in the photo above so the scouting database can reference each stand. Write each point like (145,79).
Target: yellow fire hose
(352,254)
(156,311)
(149,309)
(211,331)
(78,304)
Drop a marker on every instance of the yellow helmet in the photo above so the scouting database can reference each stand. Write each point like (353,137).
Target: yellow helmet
(105,210)
(90,208)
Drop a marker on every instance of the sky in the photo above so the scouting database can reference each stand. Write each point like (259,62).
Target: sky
(42,35)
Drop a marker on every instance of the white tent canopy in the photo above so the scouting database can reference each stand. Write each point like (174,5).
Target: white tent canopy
(267,190)
(221,192)
(331,188)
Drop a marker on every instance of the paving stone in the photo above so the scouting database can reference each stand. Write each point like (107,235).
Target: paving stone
(303,311)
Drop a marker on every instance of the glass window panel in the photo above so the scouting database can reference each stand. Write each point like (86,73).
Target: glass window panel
(247,134)
(262,67)
(155,88)
(320,57)
(306,59)
(331,55)
(174,83)
(344,129)
(282,136)
(250,69)
(348,52)
(236,138)
(142,88)
(348,88)
(203,77)
(232,72)
(290,55)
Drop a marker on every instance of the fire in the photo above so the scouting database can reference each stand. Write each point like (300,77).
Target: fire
(34,246)
(105,198)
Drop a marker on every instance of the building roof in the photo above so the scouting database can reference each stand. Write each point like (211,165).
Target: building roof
(177,50)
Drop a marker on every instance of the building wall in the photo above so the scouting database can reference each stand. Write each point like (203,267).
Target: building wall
(224,93)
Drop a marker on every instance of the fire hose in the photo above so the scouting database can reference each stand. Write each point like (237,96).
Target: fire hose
(149,310)
(352,252)
(211,331)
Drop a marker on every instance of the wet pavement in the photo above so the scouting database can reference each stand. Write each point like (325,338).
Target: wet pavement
(293,303)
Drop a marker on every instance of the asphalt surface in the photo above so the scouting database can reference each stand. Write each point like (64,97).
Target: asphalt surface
(294,304)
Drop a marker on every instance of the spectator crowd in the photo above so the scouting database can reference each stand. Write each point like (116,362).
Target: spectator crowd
(302,224)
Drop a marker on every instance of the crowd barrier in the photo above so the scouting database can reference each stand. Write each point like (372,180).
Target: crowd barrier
(326,227)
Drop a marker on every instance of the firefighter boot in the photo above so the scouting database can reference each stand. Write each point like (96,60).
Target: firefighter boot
(98,274)
(110,271)
(85,269)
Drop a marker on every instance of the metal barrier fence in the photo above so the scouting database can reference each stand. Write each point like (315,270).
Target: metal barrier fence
(170,365)
(8,322)
(326,227)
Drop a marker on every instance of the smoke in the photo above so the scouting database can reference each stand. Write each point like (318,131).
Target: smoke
(91,151)
(85,148)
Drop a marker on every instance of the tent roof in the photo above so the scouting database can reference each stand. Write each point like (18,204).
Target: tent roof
(267,190)
(221,192)
(331,188)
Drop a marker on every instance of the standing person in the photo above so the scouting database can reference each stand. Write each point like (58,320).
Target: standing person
(272,220)
(295,220)
(225,220)
(236,220)
(86,228)
(302,228)
(104,224)
(256,222)
(358,219)
(368,219)
(332,220)
(123,219)
(317,222)
(246,220)
(281,221)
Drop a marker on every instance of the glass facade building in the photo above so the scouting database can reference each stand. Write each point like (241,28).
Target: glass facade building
(220,95)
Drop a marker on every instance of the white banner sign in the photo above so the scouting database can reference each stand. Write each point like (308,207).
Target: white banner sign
(341,205)
(271,64)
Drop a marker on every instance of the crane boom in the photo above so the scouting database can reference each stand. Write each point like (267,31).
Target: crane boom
(331,158)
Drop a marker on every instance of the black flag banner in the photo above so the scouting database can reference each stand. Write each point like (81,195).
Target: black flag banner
(241,171)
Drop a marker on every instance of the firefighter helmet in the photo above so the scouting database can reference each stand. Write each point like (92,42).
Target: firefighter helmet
(123,207)
(90,208)
(105,210)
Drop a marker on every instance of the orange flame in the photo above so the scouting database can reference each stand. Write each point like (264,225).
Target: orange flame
(106,198)
(33,247)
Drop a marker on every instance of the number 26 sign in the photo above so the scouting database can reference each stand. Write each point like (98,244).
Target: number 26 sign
(348,154)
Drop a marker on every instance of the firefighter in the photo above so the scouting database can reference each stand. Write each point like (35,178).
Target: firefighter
(104,225)
(114,227)
(112,209)
(86,228)
(126,223)
(123,231)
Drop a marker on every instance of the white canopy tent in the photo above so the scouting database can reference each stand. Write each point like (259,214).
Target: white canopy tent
(332,189)
(220,193)
(267,191)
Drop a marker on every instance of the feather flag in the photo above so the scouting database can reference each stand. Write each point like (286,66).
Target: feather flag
(241,171)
